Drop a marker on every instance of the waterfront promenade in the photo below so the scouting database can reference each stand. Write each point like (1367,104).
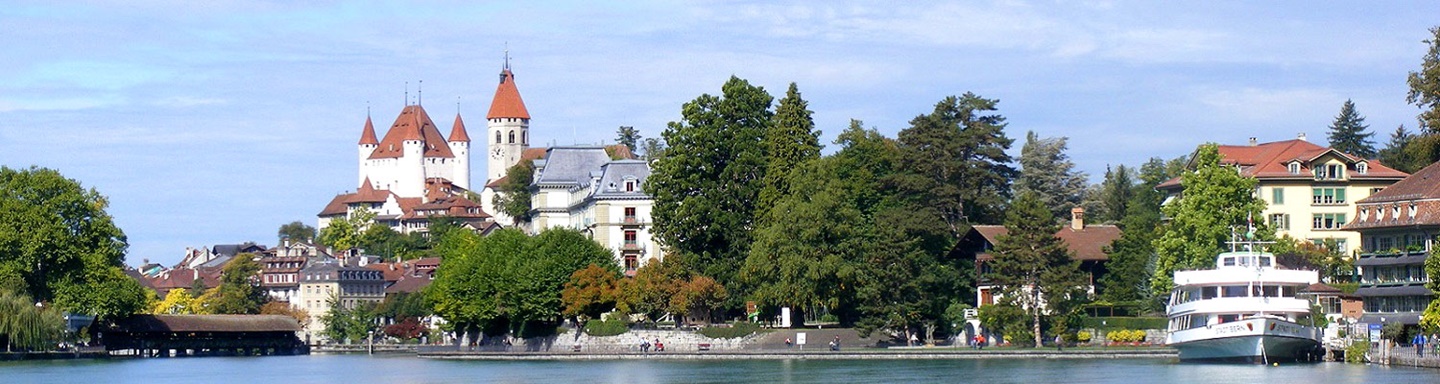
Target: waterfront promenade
(933,353)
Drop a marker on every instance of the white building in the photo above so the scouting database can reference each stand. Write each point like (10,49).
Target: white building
(582,188)
(325,282)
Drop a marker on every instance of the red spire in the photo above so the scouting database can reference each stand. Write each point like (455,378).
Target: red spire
(457,131)
(368,135)
(507,102)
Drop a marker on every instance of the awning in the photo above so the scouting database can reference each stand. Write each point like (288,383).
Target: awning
(1404,290)
(1390,260)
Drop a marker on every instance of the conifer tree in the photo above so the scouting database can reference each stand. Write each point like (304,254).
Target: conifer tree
(1393,155)
(1425,86)
(1047,171)
(1035,267)
(790,140)
(956,161)
(1349,134)
(1116,192)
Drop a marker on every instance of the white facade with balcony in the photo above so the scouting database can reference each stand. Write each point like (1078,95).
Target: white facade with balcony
(583,189)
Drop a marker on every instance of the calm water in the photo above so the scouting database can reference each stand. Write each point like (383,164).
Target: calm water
(353,369)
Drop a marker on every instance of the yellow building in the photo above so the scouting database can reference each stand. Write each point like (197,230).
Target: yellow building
(1310,190)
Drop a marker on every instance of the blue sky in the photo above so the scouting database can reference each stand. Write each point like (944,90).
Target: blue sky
(216,122)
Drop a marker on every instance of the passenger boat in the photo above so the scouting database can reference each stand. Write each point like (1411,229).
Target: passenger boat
(1244,310)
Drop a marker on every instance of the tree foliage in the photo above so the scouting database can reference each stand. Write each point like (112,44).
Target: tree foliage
(790,140)
(707,185)
(591,291)
(59,245)
(1215,201)
(239,292)
(1034,268)
(508,278)
(297,231)
(347,233)
(1047,171)
(284,309)
(178,301)
(1116,191)
(1349,134)
(1394,155)
(628,136)
(649,293)
(26,326)
(956,161)
(514,194)
(1425,86)
(351,325)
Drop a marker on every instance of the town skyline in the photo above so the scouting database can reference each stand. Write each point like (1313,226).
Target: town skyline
(209,124)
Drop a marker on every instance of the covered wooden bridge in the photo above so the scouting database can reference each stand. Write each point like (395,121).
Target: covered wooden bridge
(204,335)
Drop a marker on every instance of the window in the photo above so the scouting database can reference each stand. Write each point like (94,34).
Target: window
(630,186)
(1294,168)
(1277,196)
(631,263)
(512,137)
(1328,196)
(1330,172)
(524,137)
(1280,221)
(629,214)
(1328,221)
(630,238)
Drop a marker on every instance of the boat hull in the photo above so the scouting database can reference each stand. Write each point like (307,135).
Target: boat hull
(1258,341)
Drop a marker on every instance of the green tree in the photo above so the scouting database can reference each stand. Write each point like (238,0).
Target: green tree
(1034,267)
(652,148)
(1127,282)
(1349,133)
(514,194)
(1115,194)
(1047,171)
(347,233)
(790,140)
(649,293)
(1215,200)
(1394,156)
(351,325)
(628,136)
(1425,86)
(297,231)
(707,185)
(239,292)
(1422,151)
(27,326)
(59,245)
(956,161)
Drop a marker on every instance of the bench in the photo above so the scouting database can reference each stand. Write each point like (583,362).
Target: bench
(575,348)
(703,346)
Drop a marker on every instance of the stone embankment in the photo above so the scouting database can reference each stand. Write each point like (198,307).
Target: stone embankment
(820,354)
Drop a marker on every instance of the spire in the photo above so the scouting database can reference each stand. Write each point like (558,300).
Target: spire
(457,131)
(507,102)
(368,135)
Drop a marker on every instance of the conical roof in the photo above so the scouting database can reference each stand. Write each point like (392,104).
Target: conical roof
(507,102)
(367,136)
(457,130)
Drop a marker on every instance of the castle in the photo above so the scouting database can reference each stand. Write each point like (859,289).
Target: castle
(414,172)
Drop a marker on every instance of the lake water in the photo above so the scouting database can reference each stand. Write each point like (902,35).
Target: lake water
(355,369)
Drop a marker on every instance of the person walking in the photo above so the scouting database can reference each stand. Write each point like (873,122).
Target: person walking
(1419,342)
(1059,343)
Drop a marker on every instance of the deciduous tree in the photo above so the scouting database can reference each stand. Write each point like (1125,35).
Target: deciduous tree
(591,291)
(1215,201)
(297,231)
(514,194)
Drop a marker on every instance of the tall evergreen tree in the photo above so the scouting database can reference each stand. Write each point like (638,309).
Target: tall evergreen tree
(707,184)
(628,136)
(1216,199)
(957,162)
(1115,194)
(1349,133)
(1393,155)
(1035,267)
(1132,255)
(790,140)
(1425,86)
(1047,171)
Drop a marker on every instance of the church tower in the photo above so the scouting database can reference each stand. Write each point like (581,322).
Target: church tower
(508,127)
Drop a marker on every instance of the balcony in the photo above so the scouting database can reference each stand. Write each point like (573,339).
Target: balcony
(630,220)
(631,246)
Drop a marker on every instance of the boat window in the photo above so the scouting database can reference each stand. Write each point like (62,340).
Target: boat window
(1229,261)
(1228,318)
(1197,321)
(1264,261)
(1233,291)
(1209,292)
(1272,291)
(1287,291)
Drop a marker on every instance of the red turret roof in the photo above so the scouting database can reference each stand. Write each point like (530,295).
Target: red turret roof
(368,135)
(413,124)
(457,131)
(507,102)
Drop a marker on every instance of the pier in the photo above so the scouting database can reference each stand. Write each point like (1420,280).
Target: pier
(204,335)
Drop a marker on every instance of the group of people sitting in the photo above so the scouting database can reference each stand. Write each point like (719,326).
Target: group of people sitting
(645,345)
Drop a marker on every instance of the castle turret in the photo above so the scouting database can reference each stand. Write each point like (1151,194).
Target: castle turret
(460,147)
(508,127)
(367,145)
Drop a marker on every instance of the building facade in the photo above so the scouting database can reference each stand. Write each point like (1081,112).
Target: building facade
(1309,190)
(327,282)
(583,188)
(1397,228)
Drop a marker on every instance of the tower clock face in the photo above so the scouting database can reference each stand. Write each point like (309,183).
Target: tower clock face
(496,153)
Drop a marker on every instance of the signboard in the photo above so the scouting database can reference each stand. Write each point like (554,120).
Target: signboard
(784,317)
(800,338)
(1374,331)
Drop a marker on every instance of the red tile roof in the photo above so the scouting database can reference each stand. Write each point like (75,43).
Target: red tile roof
(1086,244)
(507,102)
(1424,184)
(367,136)
(1270,161)
(457,130)
(365,194)
(413,124)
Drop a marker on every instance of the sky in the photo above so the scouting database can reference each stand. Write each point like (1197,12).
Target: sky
(215,122)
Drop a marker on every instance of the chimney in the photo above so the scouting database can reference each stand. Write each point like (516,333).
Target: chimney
(1301,137)
(1077,218)
(1252,141)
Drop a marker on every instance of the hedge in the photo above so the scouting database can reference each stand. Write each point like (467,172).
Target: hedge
(606,328)
(1125,323)
(734,330)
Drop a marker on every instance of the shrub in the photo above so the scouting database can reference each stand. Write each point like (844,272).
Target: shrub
(1083,336)
(606,327)
(1355,353)
(733,330)
(1117,323)
(1126,336)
